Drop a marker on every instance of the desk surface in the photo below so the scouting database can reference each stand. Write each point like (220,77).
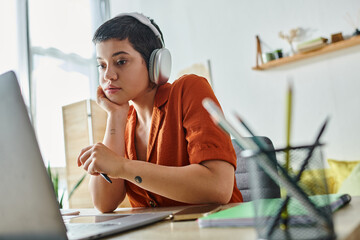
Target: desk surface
(346,220)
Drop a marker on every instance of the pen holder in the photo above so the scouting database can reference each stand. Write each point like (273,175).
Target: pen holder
(303,211)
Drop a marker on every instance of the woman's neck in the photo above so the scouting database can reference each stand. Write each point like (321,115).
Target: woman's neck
(144,107)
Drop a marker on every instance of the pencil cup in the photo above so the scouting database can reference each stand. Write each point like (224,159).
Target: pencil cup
(303,211)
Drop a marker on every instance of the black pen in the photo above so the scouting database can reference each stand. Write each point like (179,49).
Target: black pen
(106,177)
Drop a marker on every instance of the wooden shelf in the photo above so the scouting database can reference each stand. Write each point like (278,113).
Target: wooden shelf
(299,56)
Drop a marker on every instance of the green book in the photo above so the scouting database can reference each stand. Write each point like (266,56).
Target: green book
(243,215)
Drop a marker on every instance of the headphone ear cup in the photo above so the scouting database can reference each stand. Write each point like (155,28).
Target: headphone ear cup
(160,66)
(151,65)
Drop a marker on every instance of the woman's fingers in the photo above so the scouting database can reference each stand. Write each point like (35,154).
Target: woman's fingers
(102,100)
(91,169)
(97,159)
(109,106)
(88,161)
(84,154)
(89,157)
(100,95)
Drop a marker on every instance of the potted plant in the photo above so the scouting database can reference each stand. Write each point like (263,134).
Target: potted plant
(55,181)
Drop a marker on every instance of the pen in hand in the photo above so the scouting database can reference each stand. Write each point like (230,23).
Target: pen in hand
(106,177)
(102,174)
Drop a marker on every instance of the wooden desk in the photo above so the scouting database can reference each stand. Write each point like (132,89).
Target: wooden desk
(346,220)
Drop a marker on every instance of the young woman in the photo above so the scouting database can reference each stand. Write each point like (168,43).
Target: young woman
(160,147)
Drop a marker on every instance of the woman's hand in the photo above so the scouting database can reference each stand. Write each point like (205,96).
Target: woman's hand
(109,106)
(98,159)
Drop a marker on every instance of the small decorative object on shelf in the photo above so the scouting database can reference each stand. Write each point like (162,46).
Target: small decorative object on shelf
(293,33)
(356,26)
(278,53)
(336,37)
(269,56)
(258,51)
(357,32)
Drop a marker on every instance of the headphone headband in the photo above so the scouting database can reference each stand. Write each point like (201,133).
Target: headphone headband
(146,21)
(160,59)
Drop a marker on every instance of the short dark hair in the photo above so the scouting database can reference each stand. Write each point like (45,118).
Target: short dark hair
(141,37)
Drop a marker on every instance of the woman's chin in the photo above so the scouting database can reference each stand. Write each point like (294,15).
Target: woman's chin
(116,100)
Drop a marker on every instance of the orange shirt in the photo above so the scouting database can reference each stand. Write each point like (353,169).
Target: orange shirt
(181,133)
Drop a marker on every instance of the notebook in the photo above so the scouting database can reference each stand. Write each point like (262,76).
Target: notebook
(195,212)
(28,206)
(243,215)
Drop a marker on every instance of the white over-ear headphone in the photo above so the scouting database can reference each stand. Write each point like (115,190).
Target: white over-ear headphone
(160,59)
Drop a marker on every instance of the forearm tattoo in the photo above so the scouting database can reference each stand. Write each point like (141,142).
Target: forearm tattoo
(112,131)
(138,179)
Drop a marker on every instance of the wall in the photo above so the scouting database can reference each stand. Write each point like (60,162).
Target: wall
(224,32)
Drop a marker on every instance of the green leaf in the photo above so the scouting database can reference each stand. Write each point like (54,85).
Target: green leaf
(56,184)
(49,171)
(61,200)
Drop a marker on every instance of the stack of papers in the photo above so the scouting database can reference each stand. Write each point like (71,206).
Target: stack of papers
(311,45)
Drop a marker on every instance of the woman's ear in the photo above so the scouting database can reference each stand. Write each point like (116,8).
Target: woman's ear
(152,85)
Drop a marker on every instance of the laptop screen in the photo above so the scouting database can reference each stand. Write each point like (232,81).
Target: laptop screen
(28,205)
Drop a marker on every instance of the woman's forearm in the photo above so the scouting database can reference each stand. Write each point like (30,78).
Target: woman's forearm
(210,182)
(106,197)
(115,132)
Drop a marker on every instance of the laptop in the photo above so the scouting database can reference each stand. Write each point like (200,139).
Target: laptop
(28,206)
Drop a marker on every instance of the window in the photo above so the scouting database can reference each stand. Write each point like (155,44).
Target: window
(8,40)
(48,45)
(13,43)
(63,70)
